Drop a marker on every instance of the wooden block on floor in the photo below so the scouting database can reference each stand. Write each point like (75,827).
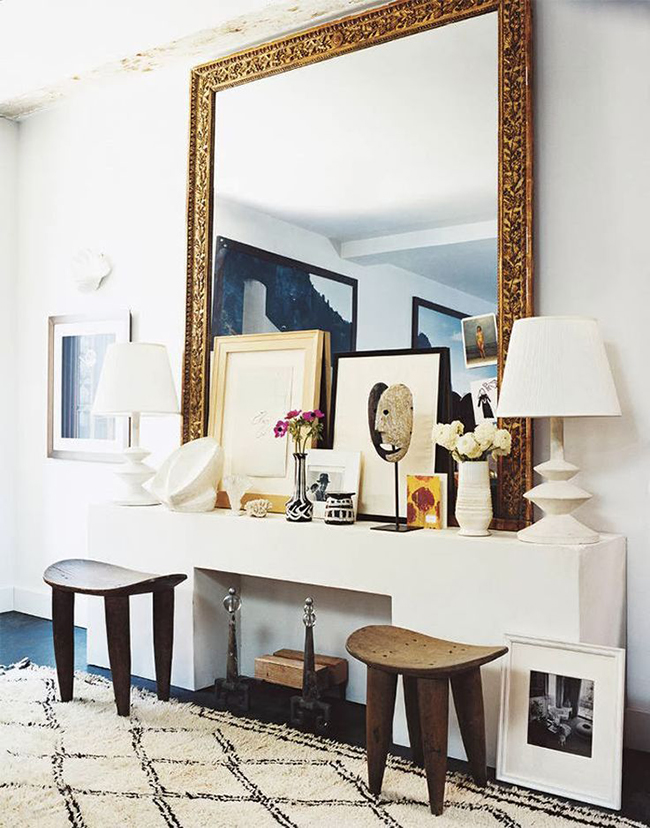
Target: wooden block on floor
(337,667)
(285,667)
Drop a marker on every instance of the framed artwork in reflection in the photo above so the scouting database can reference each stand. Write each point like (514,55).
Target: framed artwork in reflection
(256,291)
(76,349)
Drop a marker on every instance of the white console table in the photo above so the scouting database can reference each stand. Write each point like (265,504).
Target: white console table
(465,589)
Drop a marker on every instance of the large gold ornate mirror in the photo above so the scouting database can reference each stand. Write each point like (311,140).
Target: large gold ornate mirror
(395,180)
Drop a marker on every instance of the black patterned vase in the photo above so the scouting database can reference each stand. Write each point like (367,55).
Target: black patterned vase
(300,508)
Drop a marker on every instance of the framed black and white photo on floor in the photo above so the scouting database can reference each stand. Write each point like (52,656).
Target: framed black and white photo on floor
(561,724)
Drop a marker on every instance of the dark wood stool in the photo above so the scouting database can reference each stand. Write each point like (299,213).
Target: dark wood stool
(426,665)
(115,584)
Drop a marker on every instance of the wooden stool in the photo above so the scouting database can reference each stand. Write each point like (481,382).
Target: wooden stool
(115,584)
(426,665)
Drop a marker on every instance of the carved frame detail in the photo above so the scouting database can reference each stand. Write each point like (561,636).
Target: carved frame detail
(515,273)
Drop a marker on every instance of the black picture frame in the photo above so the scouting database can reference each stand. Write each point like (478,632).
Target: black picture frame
(418,303)
(443,462)
(224,245)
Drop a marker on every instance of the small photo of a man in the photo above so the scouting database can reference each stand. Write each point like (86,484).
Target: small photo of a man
(480,340)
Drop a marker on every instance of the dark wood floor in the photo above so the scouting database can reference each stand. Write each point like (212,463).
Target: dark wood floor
(23,636)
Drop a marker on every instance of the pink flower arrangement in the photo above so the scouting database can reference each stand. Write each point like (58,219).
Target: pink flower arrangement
(303,426)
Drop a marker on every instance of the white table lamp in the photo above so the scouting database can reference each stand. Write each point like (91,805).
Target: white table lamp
(557,367)
(136,379)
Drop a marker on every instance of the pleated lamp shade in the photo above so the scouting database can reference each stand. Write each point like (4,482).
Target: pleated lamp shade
(557,367)
(136,378)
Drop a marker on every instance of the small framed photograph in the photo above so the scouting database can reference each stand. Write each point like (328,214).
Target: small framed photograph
(426,501)
(484,400)
(256,379)
(561,726)
(331,471)
(76,349)
(480,340)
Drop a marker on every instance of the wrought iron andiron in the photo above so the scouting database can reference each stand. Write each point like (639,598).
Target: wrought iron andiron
(232,692)
(308,710)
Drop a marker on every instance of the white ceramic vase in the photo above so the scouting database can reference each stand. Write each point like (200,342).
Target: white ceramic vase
(474,499)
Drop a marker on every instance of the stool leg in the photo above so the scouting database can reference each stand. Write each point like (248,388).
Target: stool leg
(63,635)
(413,717)
(119,649)
(380,706)
(468,698)
(163,639)
(433,695)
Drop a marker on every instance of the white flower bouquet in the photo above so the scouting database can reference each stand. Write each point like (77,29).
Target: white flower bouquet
(486,439)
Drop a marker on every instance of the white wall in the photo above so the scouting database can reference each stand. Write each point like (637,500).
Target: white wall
(110,171)
(592,180)
(107,171)
(8,277)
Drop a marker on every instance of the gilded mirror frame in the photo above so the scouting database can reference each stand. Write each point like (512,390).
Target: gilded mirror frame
(515,158)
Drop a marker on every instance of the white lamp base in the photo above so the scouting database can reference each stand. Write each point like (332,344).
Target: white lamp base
(557,497)
(133,473)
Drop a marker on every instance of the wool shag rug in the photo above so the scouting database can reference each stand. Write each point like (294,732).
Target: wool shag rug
(181,765)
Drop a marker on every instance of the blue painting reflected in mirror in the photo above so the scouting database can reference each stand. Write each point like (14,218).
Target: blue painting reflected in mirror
(256,291)
(436,325)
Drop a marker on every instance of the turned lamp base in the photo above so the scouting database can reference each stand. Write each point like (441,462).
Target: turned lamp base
(134,473)
(557,497)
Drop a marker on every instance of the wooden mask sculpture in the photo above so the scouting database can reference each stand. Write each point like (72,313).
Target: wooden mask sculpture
(390,419)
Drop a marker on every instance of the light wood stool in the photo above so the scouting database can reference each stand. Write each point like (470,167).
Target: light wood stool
(426,665)
(115,584)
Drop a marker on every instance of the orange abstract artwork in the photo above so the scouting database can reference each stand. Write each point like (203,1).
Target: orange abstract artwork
(424,504)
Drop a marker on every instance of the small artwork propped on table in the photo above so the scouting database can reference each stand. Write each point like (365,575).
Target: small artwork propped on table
(426,501)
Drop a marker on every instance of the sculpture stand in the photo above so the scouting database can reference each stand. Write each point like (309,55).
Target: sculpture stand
(397,526)
(232,692)
(308,710)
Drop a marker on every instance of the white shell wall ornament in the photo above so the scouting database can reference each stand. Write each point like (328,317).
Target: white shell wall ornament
(258,508)
(236,486)
(187,481)
(89,269)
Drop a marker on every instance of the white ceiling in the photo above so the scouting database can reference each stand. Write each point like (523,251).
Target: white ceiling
(50,49)
(400,136)
(44,41)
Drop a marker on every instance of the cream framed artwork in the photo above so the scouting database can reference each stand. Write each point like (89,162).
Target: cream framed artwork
(561,724)
(426,373)
(256,380)
(76,348)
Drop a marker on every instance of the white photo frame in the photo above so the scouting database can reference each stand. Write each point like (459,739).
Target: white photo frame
(561,721)
(336,471)
(76,348)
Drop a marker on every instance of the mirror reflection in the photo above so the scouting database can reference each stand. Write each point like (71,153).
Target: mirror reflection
(359,196)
